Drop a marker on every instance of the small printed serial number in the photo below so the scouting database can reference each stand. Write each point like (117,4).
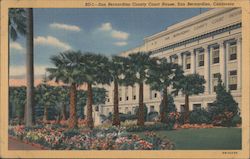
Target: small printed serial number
(226,153)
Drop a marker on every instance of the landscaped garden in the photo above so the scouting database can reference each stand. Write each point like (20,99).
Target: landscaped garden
(53,116)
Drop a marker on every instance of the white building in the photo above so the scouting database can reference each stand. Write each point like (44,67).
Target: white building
(207,44)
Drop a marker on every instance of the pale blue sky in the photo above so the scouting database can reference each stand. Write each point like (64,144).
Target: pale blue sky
(105,31)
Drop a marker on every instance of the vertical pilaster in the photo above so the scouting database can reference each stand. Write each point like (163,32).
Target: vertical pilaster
(207,69)
(239,63)
(193,61)
(184,61)
(223,62)
(180,61)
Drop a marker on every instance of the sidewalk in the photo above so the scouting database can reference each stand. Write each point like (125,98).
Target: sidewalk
(15,144)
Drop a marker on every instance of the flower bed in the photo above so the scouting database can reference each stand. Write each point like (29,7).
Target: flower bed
(113,138)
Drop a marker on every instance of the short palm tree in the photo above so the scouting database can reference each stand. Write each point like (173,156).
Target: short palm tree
(94,70)
(117,68)
(161,76)
(138,66)
(191,84)
(67,70)
(46,97)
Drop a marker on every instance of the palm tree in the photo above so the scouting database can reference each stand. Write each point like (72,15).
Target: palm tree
(191,84)
(17,24)
(161,76)
(94,70)
(62,97)
(30,117)
(139,64)
(21,23)
(117,68)
(46,96)
(67,70)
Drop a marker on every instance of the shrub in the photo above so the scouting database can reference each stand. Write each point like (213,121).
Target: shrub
(71,132)
(124,117)
(152,116)
(151,127)
(236,120)
(200,116)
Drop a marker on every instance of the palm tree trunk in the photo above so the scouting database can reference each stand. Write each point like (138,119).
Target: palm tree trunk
(29,111)
(90,123)
(73,118)
(64,115)
(186,108)
(164,105)
(116,120)
(140,120)
(45,113)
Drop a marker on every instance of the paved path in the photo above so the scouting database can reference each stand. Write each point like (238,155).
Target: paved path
(15,144)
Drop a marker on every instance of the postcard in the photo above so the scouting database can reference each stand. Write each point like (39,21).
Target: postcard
(124,79)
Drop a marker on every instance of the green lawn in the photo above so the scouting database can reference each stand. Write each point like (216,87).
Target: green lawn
(204,139)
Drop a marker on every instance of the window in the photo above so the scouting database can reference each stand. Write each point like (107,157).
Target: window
(152,108)
(133,92)
(96,108)
(215,80)
(201,59)
(120,94)
(126,110)
(108,100)
(126,93)
(188,61)
(216,55)
(196,106)
(155,95)
(133,110)
(232,81)
(232,51)
(182,108)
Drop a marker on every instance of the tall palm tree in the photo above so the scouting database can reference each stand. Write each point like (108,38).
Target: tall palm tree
(161,76)
(191,84)
(17,24)
(139,64)
(117,67)
(67,70)
(30,117)
(95,70)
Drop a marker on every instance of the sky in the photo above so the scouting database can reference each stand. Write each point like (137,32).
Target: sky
(104,31)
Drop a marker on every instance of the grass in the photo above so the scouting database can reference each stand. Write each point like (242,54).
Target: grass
(204,139)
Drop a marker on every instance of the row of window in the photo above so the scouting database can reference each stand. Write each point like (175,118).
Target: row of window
(232,52)
(232,85)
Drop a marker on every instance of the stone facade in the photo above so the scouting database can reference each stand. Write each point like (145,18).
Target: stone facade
(207,44)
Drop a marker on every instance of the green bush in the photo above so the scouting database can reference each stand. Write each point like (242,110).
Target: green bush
(152,115)
(152,127)
(236,120)
(200,116)
(71,132)
(124,117)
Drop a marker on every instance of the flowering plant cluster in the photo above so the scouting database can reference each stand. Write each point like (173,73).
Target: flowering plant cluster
(113,138)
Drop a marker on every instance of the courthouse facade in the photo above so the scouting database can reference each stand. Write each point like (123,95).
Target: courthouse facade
(207,44)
